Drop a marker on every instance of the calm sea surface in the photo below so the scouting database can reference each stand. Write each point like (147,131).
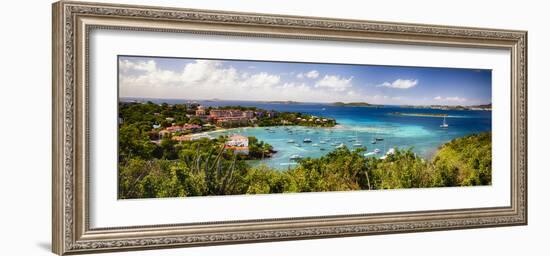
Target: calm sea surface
(357,125)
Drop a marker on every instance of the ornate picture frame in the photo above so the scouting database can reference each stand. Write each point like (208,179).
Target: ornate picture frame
(72,23)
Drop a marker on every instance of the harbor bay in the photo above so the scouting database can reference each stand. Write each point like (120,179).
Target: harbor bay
(376,130)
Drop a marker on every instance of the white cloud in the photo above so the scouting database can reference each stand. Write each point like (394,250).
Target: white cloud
(206,79)
(127,65)
(311,74)
(261,80)
(450,99)
(335,83)
(400,84)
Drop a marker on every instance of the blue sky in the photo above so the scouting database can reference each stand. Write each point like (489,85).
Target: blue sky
(186,78)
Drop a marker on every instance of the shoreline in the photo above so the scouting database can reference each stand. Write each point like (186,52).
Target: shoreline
(220,129)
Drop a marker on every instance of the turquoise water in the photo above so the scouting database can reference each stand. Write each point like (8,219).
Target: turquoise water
(358,125)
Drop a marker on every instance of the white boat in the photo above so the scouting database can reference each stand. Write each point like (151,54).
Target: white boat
(307,140)
(357,144)
(295,157)
(369,154)
(376,151)
(291,141)
(322,142)
(341,145)
(315,145)
(444,125)
(298,145)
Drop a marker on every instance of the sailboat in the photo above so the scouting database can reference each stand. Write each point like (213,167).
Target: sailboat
(444,125)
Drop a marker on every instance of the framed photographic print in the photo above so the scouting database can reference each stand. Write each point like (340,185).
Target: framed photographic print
(178,127)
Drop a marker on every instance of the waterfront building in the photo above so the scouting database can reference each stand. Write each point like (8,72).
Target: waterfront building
(219,113)
(231,117)
(238,143)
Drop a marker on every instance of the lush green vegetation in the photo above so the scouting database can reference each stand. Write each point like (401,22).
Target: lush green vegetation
(204,167)
(465,162)
(146,114)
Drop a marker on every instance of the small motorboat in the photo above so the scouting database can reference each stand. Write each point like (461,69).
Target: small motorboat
(290,141)
(307,140)
(341,145)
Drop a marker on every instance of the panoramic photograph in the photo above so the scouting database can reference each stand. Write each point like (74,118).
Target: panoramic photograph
(208,127)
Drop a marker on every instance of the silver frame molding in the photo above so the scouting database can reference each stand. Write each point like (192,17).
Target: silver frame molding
(72,23)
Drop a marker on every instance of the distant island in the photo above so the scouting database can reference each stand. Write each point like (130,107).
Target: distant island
(484,107)
(353,104)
